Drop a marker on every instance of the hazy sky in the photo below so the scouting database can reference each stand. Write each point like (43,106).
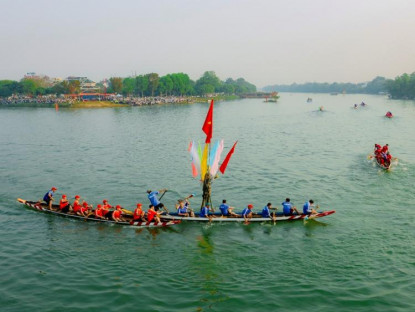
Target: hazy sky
(264,41)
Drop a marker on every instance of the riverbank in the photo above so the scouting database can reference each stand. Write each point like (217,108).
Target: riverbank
(51,101)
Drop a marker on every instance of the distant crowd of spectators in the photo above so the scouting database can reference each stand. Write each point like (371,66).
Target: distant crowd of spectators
(53,99)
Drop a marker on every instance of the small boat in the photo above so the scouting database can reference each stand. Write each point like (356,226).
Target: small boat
(217,217)
(386,165)
(389,115)
(135,224)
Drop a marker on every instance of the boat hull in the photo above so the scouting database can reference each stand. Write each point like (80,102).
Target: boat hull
(384,167)
(256,218)
(135,224)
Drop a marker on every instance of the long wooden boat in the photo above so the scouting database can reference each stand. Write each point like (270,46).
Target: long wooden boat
(136,224)
(217,217)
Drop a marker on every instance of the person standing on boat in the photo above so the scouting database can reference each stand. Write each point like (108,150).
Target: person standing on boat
(139,213)
(308,208)
(48,198)
(152,196)
(247,213)
(64,205)
(226,209)
(288,208)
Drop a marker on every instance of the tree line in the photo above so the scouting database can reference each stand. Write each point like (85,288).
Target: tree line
(375,86)
(178,84)
(402,87)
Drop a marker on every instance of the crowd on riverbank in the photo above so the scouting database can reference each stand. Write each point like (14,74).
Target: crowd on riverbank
(50,100)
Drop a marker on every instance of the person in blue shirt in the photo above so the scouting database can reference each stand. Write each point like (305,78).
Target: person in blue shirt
(183,208)
(204,211)
(288,208)
(247,213)
(48,198)
(226,209)
(265,211)
(152,196)
(308,208)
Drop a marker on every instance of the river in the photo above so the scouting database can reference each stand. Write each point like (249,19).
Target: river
(359,259)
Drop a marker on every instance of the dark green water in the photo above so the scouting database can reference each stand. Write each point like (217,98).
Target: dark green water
(359,259)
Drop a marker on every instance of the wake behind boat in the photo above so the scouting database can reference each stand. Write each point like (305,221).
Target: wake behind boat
(43,207)
(217,217)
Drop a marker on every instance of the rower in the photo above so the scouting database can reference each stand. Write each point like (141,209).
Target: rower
(116,215)
(139,213)
(308,208)
(265,211)
(182,206)
(247,213)
(64,205)
(76,206)
(106,209)
(98,212)
(288,208)
(48,198)
(85,209)
(152,214)
(227,210)
(204,211)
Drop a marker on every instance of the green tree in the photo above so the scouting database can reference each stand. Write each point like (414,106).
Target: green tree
(116,84)
(9,87)
(128,86)
(73,87)
(208,83)
(141,84)
(153,81)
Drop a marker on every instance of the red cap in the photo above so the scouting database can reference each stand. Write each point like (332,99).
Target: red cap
(84,204)
(77,196)
(105,201)
(99,206)
(63,196)
(139,205)
(250,206)
(54,188)
(118,207)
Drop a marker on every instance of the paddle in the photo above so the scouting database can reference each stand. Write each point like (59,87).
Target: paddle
(164,192)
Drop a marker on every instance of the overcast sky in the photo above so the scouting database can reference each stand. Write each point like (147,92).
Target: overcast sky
(264,41)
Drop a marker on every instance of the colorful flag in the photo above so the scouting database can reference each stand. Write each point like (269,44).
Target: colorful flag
(226,161)
(195,156)
(215,166)
(213,153)
(208,125)
(204,162)
(194,170)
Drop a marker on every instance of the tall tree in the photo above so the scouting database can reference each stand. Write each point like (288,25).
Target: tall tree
(116,84)
(153,81)
(141,83)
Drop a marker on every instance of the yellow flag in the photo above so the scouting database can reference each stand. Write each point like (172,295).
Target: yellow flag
(204,162)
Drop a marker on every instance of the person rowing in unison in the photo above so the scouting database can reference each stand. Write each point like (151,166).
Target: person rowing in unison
(227,210)
(139,213)
(98,212)
(288,208)
(152,214)
(106,209)
(48,198)
(247,213)
(116,215)
(183,209)
(308,208)
(152,196)
(64,205)
(204,211)
(85,210)
(76,206)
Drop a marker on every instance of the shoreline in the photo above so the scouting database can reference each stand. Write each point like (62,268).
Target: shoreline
(124,102)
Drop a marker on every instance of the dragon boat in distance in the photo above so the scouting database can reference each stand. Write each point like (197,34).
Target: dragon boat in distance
(135,224)
(385,166)
(217,217)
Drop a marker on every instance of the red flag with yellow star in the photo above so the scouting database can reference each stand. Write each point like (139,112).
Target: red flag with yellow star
(208,125)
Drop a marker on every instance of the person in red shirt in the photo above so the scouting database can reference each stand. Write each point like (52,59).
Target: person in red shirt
(76,206)
(139,213)
(98,212)
(152,214)
(106,209)
(64,204)
(116,215)
(85,209)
